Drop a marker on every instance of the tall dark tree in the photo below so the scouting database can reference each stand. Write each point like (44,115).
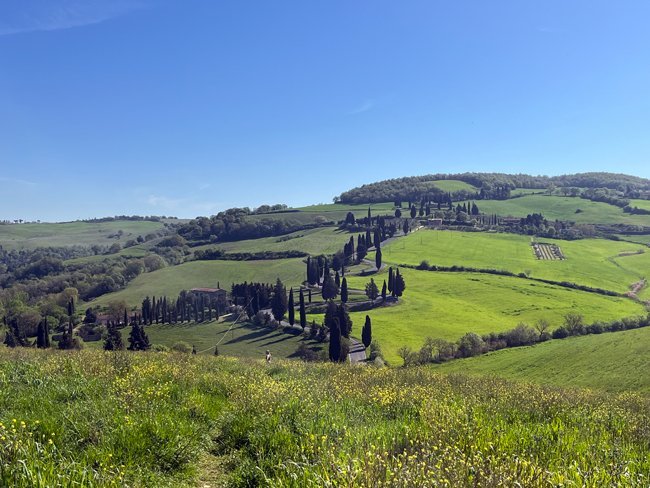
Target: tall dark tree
(399,286)
(46,331)
(383,291)
(40,335)
(406,228)
(414,211)
(345,322)
(398,213)
(366,332)
(362,250)
(390,279)
(303,314)
(349,219)
(335,341)
(329,290)
(279,301)
(337,280)
(378,258)
(344,291)
(138,340)
(291,308)
(113,341)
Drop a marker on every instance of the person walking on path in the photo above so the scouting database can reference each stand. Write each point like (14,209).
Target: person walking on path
(268,356)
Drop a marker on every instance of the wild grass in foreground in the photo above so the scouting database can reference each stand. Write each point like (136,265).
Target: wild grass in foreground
(144,419)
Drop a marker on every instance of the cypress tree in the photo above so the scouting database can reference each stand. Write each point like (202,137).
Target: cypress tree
(113,341)
(345,322)
(335,341)
(390,279)
(378,258)
(279,301)
(46,328)
(399,286)
(328,290)
(291,308)
(309,295)
(383,291)
(303,314)
(413,211)
(40,335)
(337,280)
(366,332)
(344,291)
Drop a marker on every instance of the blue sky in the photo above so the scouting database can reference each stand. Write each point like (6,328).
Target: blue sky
(187,107)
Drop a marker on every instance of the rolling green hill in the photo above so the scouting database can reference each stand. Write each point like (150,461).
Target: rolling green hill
(562,208)
(453,185)
(598,263)
(326,240)
(613,361)
(30,236)
(171,280)
(238,340)
(448,305)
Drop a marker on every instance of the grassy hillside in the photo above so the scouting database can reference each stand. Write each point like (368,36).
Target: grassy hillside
(170,281)
(326,240)
(644,204)
(240,339)
(31,236)
(562,208)
(328,212)
(594,262)
(453,185)
(448,305)
(616,362)
(146,419)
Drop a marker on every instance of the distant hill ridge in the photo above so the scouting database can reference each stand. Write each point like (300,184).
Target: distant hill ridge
(416,187)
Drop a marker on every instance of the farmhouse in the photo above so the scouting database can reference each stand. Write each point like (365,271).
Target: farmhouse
(218,295)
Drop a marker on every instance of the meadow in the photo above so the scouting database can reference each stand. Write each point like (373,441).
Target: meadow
(31,236)
(644,204)
(562,208)
(600,263)
(612,361)
(448,305)
(329,212)
(451,186)
(317,241)
(171,280)
(92,418)
(239,339)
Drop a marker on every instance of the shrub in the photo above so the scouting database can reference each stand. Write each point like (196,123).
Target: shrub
(182,347)
(560,333)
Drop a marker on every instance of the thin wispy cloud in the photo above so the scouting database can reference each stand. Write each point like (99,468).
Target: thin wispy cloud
(365,107)
(20,16)
(17,181)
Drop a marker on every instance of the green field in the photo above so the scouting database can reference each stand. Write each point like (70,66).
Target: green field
(170,281)
(644,204)
(453,185)
(562,208)
(616,361)
(91,418)
(240,339)
(328,212)
(30,236)
(326,240)
(448,305)
(527,191)
(591,262)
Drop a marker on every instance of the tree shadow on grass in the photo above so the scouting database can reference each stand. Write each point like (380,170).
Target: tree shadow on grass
(255,336)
